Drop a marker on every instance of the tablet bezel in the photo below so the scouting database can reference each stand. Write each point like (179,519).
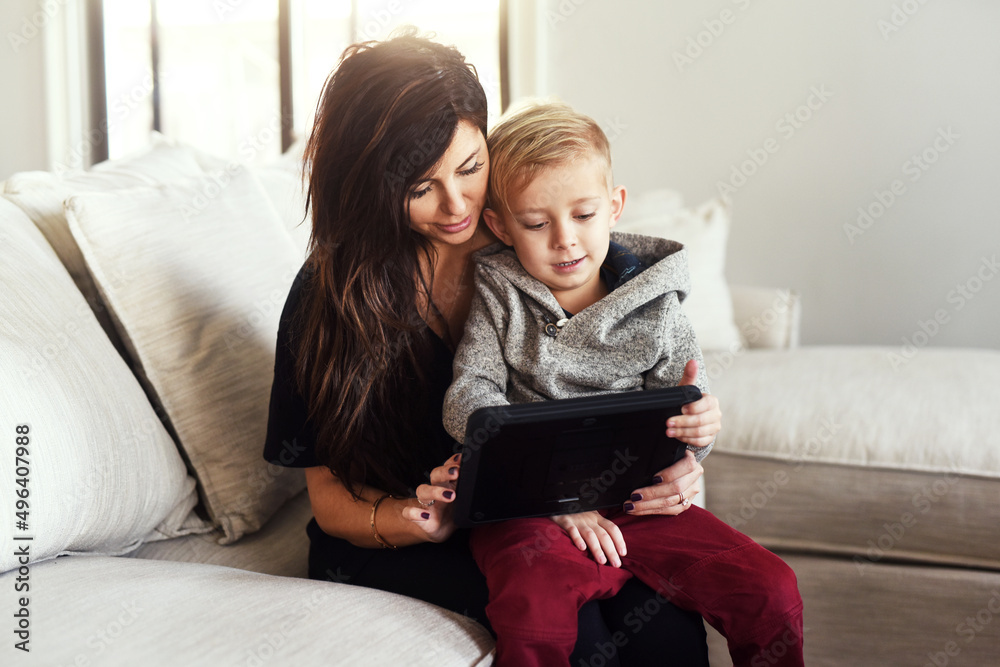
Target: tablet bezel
(496,483)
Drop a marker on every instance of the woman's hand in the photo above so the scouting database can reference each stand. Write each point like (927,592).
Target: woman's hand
(431,510)
(591,530)
(700,421)
(671,491)
(674,487)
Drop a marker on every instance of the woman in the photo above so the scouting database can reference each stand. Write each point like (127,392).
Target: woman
(398,167)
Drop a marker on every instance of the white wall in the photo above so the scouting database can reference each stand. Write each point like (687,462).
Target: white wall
(22,115)
(685,126)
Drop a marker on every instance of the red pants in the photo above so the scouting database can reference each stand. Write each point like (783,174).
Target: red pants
(538,580)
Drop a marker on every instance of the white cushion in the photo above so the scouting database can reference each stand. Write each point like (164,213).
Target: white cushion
(704,231)
(934,413)
(128,611)
(41,195)
(103,475)
(871,452)
(196,273)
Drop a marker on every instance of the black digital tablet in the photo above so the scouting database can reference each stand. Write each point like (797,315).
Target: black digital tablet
(564,456)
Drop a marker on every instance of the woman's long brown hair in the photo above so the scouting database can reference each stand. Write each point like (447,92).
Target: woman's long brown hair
(385,117)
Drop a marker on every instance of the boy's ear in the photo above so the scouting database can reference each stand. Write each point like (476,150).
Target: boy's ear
(617,203)
(497,226)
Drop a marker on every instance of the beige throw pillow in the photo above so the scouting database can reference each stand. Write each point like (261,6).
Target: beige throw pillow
(195,273)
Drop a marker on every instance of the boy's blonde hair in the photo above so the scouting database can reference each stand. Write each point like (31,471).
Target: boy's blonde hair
(537,137)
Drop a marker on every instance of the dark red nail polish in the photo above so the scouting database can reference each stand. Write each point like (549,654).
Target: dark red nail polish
(629,507)
(657,480)
(636,496)
(452,471)
(425,515)
(448,494)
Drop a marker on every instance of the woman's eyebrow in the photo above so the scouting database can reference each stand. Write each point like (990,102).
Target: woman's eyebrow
(475,154)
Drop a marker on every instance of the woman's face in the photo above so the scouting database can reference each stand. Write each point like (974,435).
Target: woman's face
(446,203)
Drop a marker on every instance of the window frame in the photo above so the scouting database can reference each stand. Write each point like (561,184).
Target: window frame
(96,105)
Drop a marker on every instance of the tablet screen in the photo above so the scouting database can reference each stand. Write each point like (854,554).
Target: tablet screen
(564,456)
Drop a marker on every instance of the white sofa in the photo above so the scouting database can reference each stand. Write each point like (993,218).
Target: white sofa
(140,301)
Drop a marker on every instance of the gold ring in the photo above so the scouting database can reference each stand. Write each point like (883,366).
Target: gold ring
(423,504)
(683,500)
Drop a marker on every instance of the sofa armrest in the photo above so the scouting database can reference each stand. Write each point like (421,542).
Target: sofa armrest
(767,317)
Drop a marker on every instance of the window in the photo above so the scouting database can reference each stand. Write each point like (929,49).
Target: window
(211,74)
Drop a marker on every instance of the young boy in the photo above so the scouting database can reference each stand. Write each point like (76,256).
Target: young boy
(570,309)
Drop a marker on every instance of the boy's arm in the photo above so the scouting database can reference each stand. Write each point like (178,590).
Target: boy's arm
(480,373)
(678,346)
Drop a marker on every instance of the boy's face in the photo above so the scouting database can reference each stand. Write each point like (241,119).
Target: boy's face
(560,226)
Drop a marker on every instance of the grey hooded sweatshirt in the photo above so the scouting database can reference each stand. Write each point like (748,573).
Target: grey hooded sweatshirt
(637,337)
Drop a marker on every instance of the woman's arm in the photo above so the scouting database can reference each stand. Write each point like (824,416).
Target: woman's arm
(400,522)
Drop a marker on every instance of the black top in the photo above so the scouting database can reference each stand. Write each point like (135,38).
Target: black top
(291,438)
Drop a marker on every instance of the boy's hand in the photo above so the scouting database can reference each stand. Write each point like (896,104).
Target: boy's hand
(700,421)
(602,536)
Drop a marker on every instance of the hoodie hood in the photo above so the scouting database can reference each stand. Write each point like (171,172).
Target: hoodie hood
(666,271)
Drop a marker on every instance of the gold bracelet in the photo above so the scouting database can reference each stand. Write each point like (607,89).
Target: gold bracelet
(379,538)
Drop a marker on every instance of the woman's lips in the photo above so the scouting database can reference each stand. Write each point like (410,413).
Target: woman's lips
(454,229)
